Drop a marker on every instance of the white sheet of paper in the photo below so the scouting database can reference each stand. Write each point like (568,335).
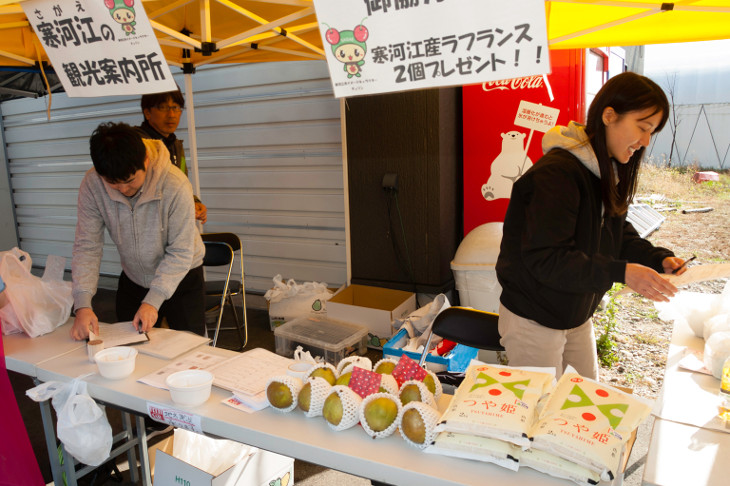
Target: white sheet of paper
(701,273)
(694,274)
(691,398)
(242,405)
(118,334)
(169,343)
(196,360)
(247,373)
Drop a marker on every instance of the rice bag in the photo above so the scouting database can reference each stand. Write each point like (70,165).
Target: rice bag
(588,423)
(477,448)
(496,402)
(556,466)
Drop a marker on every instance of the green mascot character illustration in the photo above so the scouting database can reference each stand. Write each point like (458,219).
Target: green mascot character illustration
(349,47)
(122,12)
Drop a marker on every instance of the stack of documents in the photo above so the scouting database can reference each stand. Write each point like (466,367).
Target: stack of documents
(247,374)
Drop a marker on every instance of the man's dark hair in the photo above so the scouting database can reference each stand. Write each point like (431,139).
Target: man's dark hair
(117,151)
(151,100)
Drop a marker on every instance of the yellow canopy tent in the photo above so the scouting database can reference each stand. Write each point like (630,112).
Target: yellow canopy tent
(211,31)
(600,23)
(197,32)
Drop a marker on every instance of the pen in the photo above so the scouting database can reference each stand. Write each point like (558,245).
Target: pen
(674,272)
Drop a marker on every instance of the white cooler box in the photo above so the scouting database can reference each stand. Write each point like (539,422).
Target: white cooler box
(473,267)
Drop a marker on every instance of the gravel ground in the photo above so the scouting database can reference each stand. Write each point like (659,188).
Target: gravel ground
(642,339)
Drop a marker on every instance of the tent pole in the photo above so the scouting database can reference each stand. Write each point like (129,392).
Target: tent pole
(345,177)
(193,142)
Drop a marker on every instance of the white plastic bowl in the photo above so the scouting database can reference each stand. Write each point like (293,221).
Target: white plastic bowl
(117,362)
(190,387)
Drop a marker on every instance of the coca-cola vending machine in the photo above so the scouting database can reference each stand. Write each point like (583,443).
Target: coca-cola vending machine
(494,146)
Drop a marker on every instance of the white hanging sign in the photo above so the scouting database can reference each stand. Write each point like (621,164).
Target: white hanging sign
(377,46)
(535,116)
(100,47)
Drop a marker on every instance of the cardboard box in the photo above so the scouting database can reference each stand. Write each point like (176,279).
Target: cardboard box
(263,469)
(457,360)
(372,307)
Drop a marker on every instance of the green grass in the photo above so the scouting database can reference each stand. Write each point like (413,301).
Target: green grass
(606,327)
(645,339)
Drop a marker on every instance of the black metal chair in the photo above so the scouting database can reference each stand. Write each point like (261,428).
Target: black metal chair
(470,327)
(220,250)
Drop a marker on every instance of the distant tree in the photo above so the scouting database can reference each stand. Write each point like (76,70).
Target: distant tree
(674,118)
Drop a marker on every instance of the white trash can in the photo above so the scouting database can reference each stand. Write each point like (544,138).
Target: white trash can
(473,267)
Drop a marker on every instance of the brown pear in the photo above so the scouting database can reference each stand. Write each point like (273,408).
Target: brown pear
(344,379)
(305,397)
(385,368)
(279,395)
(325,373)
(410,393)
(430,384)
(332,409)
(412,426)
(380,413)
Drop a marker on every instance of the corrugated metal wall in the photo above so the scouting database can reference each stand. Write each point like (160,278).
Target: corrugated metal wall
(270,164)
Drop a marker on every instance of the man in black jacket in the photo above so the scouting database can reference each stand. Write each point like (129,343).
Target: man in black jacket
(162,113)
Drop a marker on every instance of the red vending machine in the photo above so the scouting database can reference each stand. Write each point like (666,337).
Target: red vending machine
(494,147)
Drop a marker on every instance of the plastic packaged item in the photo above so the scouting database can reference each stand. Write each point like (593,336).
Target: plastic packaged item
(289,300)
(725,383)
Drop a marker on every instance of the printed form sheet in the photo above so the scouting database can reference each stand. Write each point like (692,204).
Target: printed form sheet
(247,373)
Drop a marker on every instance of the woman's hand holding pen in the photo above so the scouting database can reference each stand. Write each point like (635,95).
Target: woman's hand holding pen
(676,266)
(649,283)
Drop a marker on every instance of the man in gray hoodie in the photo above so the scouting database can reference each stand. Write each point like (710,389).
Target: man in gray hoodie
(146,205)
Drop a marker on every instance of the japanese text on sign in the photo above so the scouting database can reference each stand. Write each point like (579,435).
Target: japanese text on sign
(95,44)
(377,46)
(536,117)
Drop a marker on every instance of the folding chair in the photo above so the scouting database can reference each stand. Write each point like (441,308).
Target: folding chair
(220,251)
(470,327)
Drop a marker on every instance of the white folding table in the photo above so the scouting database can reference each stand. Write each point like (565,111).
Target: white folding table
(24,355)
(390,460)
(682,450)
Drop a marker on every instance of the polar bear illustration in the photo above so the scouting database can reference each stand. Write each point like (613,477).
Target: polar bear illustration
(509,165)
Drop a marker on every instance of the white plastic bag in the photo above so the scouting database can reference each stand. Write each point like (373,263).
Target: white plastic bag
(717,350)
(213,456)
(291,300)
(692,308)
(419,322)
(34,305)
(82,424)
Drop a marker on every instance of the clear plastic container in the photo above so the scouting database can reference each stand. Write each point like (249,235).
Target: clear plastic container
(330,339)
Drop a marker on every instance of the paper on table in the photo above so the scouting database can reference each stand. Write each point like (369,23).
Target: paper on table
(694,274)
(690,398)
(118,334)
(197,360)
(169,343)
(247,373)
(700,273)
(247,403)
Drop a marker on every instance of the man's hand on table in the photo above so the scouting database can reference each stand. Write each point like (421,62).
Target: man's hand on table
(85,319)
(145,318)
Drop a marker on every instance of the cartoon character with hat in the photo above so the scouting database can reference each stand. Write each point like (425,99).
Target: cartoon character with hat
(122,12)
(349,47)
